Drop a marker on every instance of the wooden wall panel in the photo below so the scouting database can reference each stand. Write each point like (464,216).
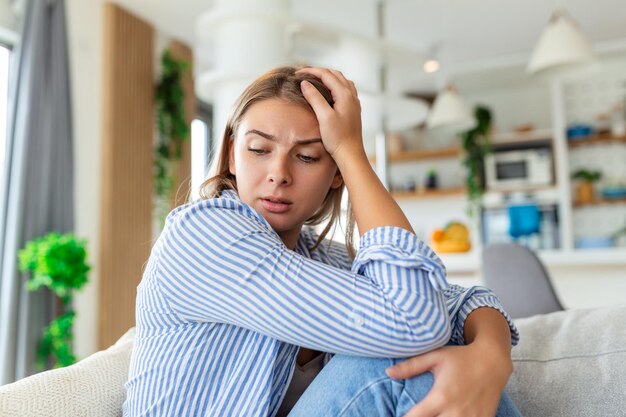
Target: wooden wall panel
(127,158)
(182,185)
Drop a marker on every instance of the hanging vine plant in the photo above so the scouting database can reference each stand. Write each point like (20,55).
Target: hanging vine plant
(57,262)
(172,127)
(476,146)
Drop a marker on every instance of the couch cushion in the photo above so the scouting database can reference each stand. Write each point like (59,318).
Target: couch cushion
(571,363)
(92,387)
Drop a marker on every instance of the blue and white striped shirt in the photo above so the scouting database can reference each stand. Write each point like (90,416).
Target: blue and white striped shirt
(224,305)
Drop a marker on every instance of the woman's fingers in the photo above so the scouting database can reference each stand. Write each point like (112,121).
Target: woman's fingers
(340,124)
(316,100)
(342,78)
(413,366)
(326,75)
(353,88)
(332,79)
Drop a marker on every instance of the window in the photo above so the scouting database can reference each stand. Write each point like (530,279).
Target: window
(5,54)
(5,57)
(200,148)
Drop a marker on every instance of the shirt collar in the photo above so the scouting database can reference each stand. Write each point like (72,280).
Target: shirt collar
(302,241)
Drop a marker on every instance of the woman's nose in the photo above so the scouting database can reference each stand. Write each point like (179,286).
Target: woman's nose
(279,172)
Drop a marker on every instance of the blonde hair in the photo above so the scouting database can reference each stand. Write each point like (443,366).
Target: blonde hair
(282,83)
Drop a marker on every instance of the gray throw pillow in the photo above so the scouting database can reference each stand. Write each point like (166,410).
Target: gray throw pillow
(571,363)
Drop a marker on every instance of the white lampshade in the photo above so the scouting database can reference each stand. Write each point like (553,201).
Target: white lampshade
(450,111)
(562,50)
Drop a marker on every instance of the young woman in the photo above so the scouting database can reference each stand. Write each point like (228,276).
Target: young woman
(240,306)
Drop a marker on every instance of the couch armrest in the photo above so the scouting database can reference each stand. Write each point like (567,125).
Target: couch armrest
(92,387)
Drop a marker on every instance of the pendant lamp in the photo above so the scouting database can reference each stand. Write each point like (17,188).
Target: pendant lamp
(450,111)
(563,50)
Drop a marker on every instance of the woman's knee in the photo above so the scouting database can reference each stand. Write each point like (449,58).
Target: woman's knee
(353,369)
(350,385)
(359,367)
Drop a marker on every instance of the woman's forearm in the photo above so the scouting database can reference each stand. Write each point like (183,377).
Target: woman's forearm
(487,327)
(372,204)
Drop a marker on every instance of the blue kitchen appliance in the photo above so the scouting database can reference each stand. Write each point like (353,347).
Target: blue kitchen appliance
(524,220)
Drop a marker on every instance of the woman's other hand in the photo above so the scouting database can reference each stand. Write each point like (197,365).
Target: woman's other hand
(340,125)
(469,380)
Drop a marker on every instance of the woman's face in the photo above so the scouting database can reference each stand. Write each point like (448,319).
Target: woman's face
(281,166)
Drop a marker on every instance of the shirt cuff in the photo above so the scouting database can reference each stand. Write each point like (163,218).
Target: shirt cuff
(478,301)
(399,247)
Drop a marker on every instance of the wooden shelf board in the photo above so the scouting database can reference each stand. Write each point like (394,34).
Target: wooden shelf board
(441,192)
(422,154)
(600,202)
(596,139)
(521,189)
(535,135)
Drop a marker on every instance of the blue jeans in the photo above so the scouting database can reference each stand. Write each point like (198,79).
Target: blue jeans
(350,386)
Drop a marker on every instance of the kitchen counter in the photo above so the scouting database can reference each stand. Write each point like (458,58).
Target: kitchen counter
(469,263)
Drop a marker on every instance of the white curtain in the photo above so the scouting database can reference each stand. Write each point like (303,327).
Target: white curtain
(38,183)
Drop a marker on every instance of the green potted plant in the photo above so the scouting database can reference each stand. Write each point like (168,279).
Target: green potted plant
(585,191)
(172,128)
(57,262)
(476,146)
(431,182)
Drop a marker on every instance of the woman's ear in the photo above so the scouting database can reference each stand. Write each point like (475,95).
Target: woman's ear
(231,156)
(337,180)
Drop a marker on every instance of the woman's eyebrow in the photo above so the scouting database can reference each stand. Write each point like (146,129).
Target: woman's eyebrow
(273,138)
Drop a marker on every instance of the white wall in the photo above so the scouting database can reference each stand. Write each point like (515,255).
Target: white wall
(84,21)
(586,287)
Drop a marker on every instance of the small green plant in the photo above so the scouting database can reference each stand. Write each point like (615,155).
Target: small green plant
(476,146)
(57,262)
(172,127)
(431,179)
(587,175)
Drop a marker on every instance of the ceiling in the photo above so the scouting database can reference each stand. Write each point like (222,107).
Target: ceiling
(469,36)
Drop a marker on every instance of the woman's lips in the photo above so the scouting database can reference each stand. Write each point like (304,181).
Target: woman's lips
(275,207)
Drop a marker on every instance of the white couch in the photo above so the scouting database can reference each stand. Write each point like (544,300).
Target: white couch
(570,363)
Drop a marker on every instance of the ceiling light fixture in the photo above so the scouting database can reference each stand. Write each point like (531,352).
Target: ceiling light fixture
(563,50)
(431,65)
(450,111)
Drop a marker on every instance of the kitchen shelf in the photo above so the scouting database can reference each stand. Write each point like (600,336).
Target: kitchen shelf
(596,139)
(601,202)
(521,189)
(422,154)
(531,136)
(441,192)
(584,257)
(471,263)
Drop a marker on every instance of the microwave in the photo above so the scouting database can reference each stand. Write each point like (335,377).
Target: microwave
(523,168)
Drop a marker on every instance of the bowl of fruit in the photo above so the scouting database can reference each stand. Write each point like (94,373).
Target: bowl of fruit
(455,237)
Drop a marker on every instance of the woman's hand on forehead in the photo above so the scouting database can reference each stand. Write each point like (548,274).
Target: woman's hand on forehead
(340,125)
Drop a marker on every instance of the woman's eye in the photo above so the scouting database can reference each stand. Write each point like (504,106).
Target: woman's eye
(257,151)
(308,159)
